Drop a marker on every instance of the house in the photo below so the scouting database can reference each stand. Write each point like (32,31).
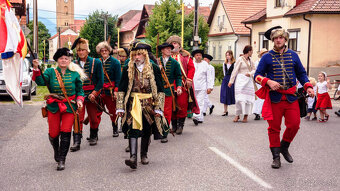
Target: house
(226,30)
(313,27)
(147,12)
(128,25)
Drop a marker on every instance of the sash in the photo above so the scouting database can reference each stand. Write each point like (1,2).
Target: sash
(136,110)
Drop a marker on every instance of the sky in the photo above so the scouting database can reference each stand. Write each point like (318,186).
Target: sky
(82,8)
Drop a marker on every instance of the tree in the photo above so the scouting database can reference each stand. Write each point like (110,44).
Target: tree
(166,22)
(42,35)
(93,30)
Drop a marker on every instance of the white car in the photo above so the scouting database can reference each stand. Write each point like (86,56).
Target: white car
(29,87)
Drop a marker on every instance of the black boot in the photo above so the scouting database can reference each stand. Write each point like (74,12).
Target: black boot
(65,139)
(174,125)
(284,151)
(132,162)
(276,157)
(257,117)
(144,150)
(93,137)
(55,145)
(76,142)
(115,130)
(180,126)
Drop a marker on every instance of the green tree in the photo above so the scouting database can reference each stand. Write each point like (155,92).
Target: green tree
(166,22)
(43,35)
(93,30)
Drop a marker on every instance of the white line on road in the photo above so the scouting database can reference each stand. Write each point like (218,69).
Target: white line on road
(243,169)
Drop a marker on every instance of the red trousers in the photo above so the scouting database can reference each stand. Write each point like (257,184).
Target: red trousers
(291,112)
(110,105)
(182,101)
(92,112)
(59,122)
(168,108)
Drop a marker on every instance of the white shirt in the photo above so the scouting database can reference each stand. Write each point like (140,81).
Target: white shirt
(202,76)
(165,60)
(212,74)
(228,66)
(140,67)
(322,87)
(82,64)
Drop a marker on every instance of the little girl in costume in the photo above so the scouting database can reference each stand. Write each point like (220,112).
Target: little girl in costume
(323,100)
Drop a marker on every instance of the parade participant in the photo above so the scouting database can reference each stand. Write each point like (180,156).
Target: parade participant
(323,100)
(257,109)
(203,86)
(244,85)
(187,99)
(277,73)
(112,74)
(172,80)
(123,54)
(66,97)
(208,104)
(140,102)
(311,102)
(227,94)
(338,92)
(92,87)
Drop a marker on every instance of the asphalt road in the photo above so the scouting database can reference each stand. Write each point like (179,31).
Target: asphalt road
(216,155)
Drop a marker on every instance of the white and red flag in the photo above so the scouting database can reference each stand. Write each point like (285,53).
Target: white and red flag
(13,49)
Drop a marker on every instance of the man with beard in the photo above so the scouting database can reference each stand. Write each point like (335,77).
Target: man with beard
(112,74)
(140,102)
(92,87)
(186,100)
(172,80)
(277,73)
(203,85)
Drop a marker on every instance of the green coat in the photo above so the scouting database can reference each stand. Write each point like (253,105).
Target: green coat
(72,82)
(174,74)
(112,67)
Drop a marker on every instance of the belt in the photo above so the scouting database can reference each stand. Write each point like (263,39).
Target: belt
(136,110)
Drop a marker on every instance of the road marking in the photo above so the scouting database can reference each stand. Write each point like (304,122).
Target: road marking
(243,169)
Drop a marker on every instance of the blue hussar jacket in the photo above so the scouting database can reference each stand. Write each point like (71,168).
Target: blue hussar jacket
(269,67)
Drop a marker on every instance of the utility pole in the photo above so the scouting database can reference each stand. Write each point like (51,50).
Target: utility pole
(196,38)
(35,26)
(59,44)
(182,32)
(44,51)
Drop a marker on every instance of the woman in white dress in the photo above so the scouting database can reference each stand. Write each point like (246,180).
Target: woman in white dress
(244,85)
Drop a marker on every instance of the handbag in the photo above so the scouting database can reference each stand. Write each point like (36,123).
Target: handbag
(44,111)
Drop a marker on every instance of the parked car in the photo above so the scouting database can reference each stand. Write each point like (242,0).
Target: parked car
(29,87)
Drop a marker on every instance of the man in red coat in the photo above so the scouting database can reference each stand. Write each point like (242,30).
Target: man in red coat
(187,99)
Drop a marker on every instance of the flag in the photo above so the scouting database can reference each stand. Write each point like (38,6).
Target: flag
(13,49)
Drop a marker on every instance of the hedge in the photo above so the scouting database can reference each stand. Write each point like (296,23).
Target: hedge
(218,73)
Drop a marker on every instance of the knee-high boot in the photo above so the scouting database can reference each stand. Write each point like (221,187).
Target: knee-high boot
(76,142)
(55,145)
(144,147)
(276,157)
(180,126)
(284,151)
(115,130)
(65,139)
(93,136)
(132,162)
(174,123)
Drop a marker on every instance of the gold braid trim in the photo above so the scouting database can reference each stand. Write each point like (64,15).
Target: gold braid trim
(159,102)
(120,100)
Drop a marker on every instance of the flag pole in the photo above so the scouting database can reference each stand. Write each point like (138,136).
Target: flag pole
(182,4)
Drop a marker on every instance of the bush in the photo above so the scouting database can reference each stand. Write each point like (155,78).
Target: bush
(218,73)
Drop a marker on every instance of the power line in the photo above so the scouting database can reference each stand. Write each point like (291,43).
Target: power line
(59,12)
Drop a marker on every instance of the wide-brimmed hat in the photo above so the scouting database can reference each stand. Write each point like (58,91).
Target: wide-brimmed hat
(276,32)
(140,45)
(262,51)
(165,45)
(62,52)
(196,52)
(208,56)
(81,43)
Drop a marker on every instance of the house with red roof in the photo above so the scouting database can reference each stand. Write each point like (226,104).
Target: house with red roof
(128,25)
(226,30)
(313,27)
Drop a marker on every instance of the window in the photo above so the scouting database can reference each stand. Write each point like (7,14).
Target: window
(293,42)
(214,51)
(229,47)
(218,21)
(223,19)
(220,52)
(264,42)
(278,3)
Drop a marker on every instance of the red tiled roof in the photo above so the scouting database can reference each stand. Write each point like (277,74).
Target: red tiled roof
(131,23)
(149,8)
(141,36)
(52,37)
(257,17)
(122,20)
(204,11)
(237,11)
(316,7)
(78,24)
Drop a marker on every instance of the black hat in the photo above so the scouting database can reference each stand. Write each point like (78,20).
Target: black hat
(75,43)
(165,45)
(62,52)
(140,45)
(197,51)
(208,56)
(269,31)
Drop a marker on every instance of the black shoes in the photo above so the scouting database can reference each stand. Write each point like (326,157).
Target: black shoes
(174,124)
(225,114)
(180,126)
(257,117)
(211,109)
(284,151)
(132,162)
(93,137)
(76,142)
(115,130)
(144,150)
(337,113)
(55,145)
(276,157)
(195,121)
(164,140)
(204,114)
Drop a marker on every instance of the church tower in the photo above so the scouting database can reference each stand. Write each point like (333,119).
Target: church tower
(65,13)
